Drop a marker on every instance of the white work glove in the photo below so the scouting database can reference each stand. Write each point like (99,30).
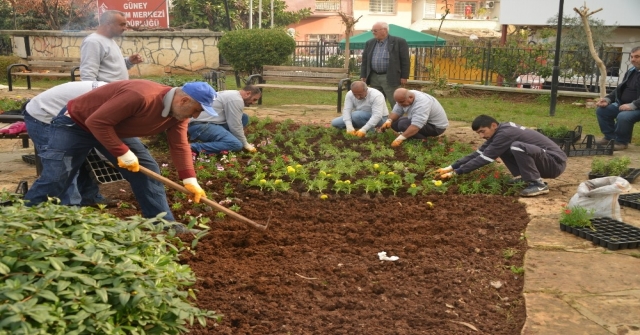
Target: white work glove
(444,170)
(191,184)
(249,147)
(129,161)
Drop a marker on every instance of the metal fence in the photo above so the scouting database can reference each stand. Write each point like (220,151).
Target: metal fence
(485,64)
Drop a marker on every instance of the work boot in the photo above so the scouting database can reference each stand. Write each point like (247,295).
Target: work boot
(603,141)
(619,146)
(535,188)
(181,229)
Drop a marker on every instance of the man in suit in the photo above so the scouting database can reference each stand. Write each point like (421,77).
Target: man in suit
(385,61)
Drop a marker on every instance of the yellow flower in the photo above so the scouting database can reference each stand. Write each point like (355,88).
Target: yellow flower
(413,186)
(262,181)
(437,183)
(291,169)
(430,204)
(322,173)
(324,197)
(347,181)
(375,166)
(390,173)
(338,181)
(382,173)
(278,181)
(298,166)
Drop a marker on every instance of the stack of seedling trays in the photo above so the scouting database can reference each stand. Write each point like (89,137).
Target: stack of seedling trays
(29,159)
(609,233)
(587,147)
(630,175)
(101,169)
(572,136)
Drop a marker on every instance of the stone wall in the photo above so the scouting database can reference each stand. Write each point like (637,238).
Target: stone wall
(164,52)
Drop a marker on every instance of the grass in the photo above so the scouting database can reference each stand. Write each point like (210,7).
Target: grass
(530,111)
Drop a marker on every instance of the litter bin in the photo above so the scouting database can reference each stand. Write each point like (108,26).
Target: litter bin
(530,81)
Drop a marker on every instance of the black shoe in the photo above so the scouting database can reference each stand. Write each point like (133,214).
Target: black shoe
(535,188)
(514,181)
(603,142)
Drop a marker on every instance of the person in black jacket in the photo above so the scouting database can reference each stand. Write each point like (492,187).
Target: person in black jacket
(385,61)
(618,111)
(525,152)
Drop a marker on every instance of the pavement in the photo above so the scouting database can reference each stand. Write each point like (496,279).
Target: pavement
(571,285)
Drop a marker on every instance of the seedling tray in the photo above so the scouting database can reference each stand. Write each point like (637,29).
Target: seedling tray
(587,147)
(630,175)
(609,233)
(572,136)
(101,169)
(631,200)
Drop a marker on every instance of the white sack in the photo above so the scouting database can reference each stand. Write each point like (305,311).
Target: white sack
(601,195)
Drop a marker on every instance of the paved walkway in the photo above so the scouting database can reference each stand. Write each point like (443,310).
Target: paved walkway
(571,286)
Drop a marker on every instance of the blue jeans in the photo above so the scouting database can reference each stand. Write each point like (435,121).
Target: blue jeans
(615,124)
(39,134)
(214,138)
(67,150)
(358,119)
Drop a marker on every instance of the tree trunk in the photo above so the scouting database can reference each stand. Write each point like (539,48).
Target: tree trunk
(584,15)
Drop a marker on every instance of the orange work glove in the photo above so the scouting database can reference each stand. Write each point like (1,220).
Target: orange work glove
(386,125)
(129,161)
(191,184)
(360,133)
(398,141)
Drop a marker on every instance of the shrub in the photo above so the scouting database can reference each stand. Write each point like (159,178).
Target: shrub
(70,270)
(248,50)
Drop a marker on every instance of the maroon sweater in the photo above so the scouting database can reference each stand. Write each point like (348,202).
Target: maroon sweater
(132,108)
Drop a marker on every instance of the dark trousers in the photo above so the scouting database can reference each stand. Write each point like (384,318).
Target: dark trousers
(532,162)
(428,130)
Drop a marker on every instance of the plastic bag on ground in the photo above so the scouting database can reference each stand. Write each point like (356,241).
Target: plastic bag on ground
(601,195)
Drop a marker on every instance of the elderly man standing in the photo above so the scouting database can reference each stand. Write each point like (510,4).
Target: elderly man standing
(364,109)
(620,109)
(100,56)
(416,115)
(122,109)
(224,132)
(385,61)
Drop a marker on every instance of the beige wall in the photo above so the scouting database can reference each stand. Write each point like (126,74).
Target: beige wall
(174,52)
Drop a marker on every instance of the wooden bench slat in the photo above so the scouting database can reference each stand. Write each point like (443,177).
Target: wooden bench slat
(306,75)
(305,80)
(300,87)
(300,68)
(59,67)
(40,74)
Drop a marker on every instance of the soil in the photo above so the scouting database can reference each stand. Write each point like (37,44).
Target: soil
(316,269)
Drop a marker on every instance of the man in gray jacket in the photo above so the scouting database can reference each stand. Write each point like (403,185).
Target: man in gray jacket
(385,61)
(525,152)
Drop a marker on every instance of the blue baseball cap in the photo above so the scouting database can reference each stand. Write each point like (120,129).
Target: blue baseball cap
(203,93)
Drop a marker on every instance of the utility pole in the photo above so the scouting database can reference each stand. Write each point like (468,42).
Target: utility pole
(260,14)
(271,14)
(556,64)
(250,14)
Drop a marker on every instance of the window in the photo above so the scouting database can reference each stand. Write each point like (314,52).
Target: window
(323,37)
(327,5)
(382,6)
(460,8)
(429,9)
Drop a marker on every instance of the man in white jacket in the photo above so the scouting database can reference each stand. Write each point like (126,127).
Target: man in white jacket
(224,132)
(364,109)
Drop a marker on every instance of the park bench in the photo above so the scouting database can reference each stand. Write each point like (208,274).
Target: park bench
(4,118)
(339,77)
(59,67)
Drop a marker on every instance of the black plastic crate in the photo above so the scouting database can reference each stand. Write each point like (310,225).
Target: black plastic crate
(630,175)
(29,159)
(631,200)
(101,168)
(609,233)
(572,136)
(587,147)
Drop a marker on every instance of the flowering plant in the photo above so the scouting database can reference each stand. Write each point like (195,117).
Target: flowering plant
(576,216)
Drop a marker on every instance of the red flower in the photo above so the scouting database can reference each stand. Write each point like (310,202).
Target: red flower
(200,167)
(496,175)
(567,211)
(482,176)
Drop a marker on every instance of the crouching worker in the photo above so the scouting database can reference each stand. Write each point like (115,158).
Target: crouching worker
(416,115)
(364,109)
(526,153)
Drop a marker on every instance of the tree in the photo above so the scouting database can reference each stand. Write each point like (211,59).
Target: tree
(576,60)
(349,22)
(248,50)
(52,14)
(210,14)
(584,15)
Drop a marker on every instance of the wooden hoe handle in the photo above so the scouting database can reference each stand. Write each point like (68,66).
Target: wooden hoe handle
(207,201)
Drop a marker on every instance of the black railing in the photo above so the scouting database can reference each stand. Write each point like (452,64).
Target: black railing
(484,65)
